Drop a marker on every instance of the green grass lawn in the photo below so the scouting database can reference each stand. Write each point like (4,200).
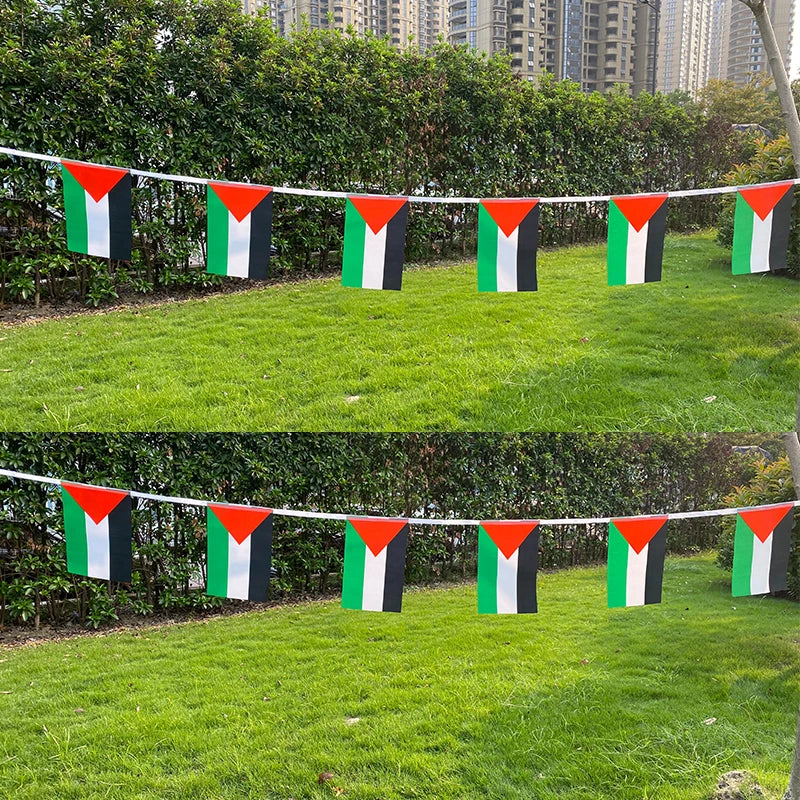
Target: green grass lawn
(577,355)
(577,702)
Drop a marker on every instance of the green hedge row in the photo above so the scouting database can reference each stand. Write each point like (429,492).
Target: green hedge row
(198,88)
(463,476)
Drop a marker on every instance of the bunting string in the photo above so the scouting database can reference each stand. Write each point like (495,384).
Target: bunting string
(329,515)
(292,190)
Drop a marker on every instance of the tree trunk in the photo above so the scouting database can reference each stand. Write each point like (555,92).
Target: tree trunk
(789,112)
(782,86)
(793,792)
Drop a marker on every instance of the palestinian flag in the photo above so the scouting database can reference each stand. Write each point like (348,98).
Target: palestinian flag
(374,242)
(761,550)
(636,547)
(508,557)
(97,529)
(239,229)
(761,227)
(239,551)
(636,226)
(508,231)
(374,564)
(97,207)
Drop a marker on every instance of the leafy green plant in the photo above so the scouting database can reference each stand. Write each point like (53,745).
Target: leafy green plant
(772,161)
(772,483)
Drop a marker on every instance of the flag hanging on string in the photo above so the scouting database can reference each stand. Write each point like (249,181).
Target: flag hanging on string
(636,549)
(97,209)
(636,225)
(239,551)
(239,229)
(508,558)
(374,564)
(508,232)
(374,242)
(761,228)
(761,550)
(97,530)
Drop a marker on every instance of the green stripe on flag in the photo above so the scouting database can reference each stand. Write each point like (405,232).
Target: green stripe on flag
(217,565)
(217,262)
(487,251)
(618,548)
(742,559)
(353,255)
(75,534)
(617,246)
(75,213)
(488,553)
(353,578)
(742,242)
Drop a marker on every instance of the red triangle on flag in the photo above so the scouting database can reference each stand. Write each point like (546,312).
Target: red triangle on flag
(762,521)
(96,180)
(762,199)
(508,212)
(240,198)
(377,532)
(508,535)
(239,521)
(638,531)
(377,211)
(97,502)
(639,208)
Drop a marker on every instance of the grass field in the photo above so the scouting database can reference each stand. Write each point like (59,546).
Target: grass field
(577,702)
(576,355)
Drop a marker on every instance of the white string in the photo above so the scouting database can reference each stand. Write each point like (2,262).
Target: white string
(293,512)
(292,190)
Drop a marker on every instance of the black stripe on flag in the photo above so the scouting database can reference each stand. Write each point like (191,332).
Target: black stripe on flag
(656,549)
(395,571)
(260,560)
(781,221)
(260,239)
(119,220)
(779,562)
(654,252)
(395,250)
(120,554)
(527,242)
(527,565)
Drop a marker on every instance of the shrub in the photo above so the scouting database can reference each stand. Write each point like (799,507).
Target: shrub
(772,484)
(772,162)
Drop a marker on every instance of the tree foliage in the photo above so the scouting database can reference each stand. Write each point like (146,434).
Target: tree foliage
(198,88)
(463,476)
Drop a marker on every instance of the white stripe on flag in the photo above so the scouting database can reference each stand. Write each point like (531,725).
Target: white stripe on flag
(374,579)
(759,249)
(374,259)
(238,246)
(637,572)
(637,250)
(238,568)
(759,572)
(98,234)
(507,265)
(98,556)
(507,583)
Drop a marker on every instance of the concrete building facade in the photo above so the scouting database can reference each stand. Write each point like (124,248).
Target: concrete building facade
(595,44)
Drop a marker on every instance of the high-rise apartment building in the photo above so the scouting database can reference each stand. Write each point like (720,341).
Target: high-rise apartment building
(406,23)
(595,44)
(684,45)
(743,54)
